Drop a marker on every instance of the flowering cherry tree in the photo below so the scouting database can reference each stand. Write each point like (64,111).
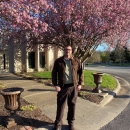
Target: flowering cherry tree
(83,24)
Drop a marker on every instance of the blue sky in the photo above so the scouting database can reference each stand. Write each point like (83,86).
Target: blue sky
(102,47)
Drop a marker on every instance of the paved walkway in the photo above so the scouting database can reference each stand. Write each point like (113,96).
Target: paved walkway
(89,116)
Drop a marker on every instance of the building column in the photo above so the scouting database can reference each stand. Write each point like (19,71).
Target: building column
(23,58)
(26,62)
(56,53)
(37,58)
(47,59)
(11,57)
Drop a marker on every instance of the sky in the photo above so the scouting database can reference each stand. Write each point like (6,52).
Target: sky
(102,47)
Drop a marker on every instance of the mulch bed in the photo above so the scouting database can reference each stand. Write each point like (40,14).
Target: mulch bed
(93,98)
(86,93)
(34,119)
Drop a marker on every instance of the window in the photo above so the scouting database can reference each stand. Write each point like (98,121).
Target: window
(31,59)
(42,59)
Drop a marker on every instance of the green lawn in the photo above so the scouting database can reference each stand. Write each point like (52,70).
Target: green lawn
(44,74)
(107,81)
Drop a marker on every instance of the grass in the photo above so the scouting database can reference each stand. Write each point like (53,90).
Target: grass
(30,107)
(107,81)
(42,75)
(2,85)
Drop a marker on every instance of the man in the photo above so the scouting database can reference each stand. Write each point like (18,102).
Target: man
(67,77)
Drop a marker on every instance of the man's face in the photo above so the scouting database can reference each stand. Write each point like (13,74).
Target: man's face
(68,51)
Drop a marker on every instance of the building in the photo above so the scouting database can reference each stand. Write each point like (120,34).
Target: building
(14,59)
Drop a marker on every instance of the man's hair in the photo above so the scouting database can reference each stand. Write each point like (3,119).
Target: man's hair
(67,46)
(70,46)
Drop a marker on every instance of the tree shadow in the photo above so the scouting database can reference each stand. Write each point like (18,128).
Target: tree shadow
(49,127)
(31,122)
(103,92)
(48,84)
(109,92)
(115,95)
(33,90)
(26,122)
(122,96)
(11,78)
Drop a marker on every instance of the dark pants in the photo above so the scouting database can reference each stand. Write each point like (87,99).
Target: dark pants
(69,93)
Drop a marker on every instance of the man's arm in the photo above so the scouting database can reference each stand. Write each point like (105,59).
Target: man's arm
(54,74)
(81,74)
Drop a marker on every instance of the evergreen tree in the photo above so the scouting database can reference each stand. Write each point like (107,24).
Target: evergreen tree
(113,56)
(127,54)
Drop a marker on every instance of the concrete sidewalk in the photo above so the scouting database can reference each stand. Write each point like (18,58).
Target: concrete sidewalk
(89,116)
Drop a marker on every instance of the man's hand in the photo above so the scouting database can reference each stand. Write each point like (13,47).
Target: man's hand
(79,87)
(57,88)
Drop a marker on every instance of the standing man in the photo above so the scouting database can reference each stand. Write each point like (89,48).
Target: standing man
(67,77)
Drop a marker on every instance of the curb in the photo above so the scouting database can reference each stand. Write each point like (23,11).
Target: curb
(110,95)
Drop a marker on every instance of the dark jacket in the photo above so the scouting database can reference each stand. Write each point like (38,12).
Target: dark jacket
(59,70)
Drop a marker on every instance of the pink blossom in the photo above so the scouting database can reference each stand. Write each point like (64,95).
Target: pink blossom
(85,22)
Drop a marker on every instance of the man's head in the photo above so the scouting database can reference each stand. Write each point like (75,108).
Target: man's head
(68,51)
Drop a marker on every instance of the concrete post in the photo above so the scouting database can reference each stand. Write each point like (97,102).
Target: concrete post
(56,52)
(26,67)
(23,58)
(37,58)
(11,57)
(47,59)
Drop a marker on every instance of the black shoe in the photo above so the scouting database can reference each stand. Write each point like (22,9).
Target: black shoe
(57,128)
(72,129)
